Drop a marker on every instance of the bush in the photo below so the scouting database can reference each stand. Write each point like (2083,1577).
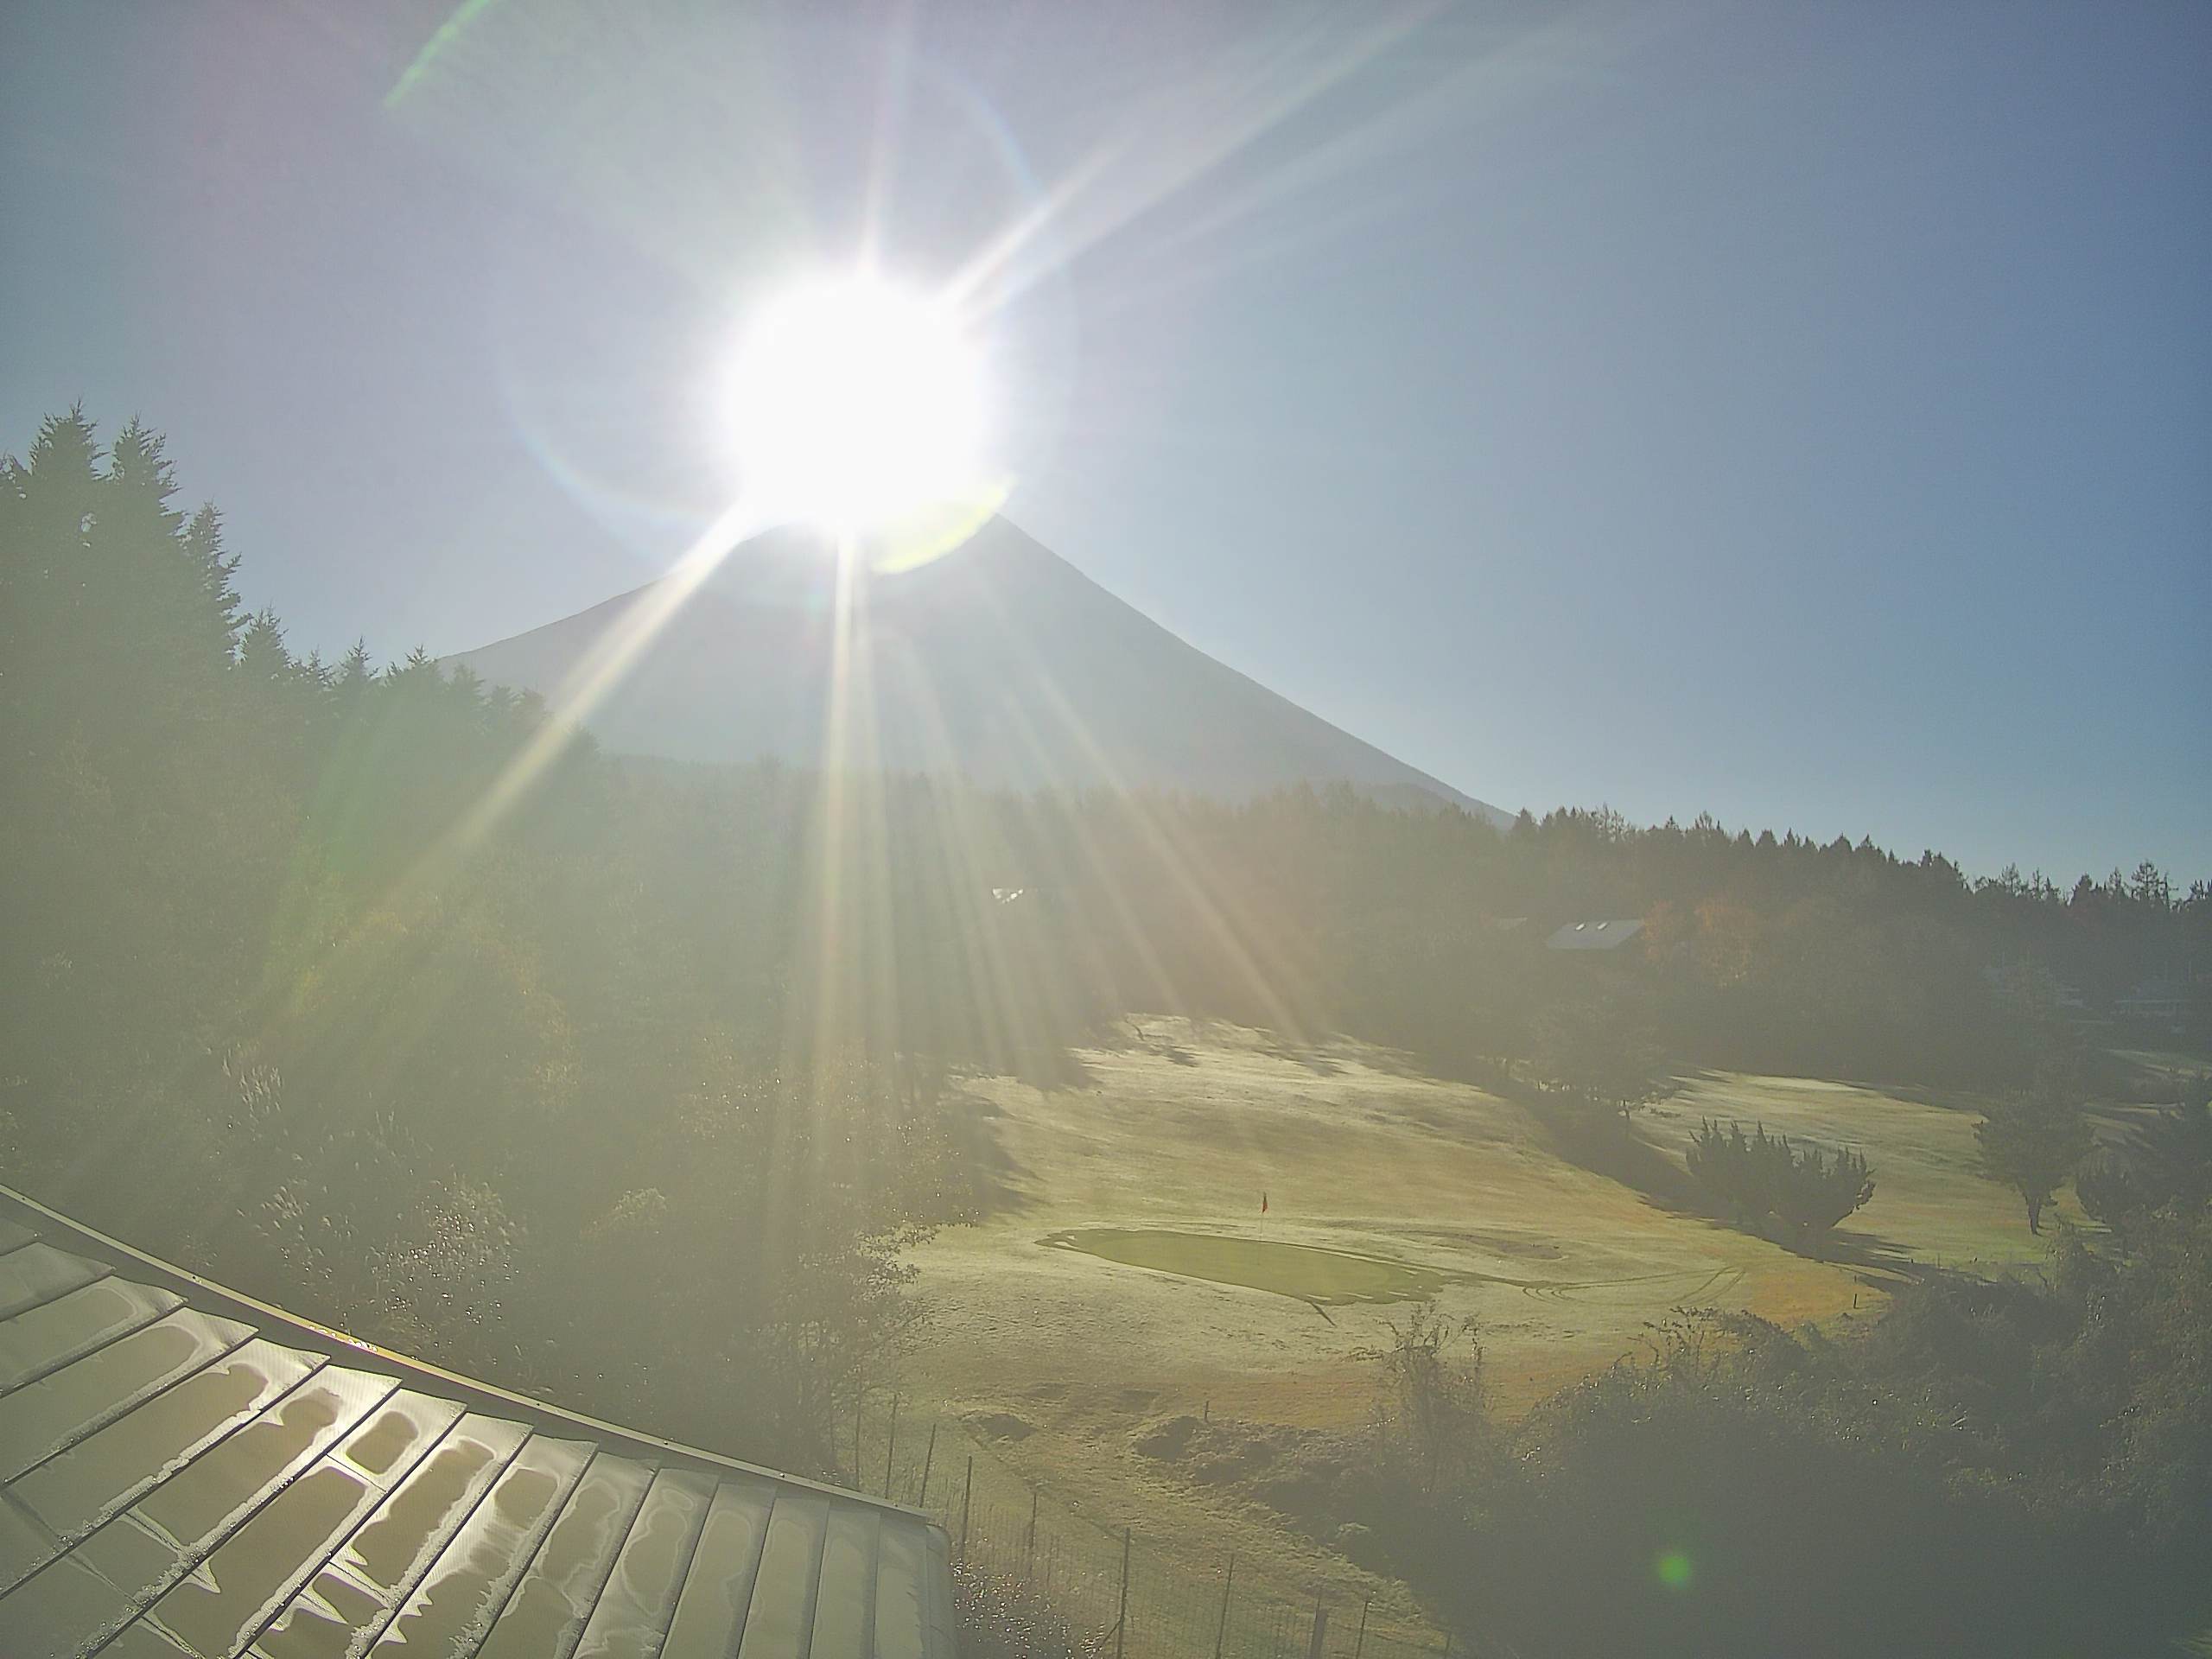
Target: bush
(1431,1419)
(1806,1191)
(2111,1188)
(2169,1160)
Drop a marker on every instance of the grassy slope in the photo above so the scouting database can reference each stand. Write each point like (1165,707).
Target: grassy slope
(1185,1127)
(1930,1203)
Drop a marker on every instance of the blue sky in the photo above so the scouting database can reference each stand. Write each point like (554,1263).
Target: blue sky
(1802,413)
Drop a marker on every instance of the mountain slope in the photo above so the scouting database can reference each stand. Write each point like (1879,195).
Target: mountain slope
(1000,662)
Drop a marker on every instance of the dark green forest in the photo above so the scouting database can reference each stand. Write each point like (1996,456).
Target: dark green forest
(369,990)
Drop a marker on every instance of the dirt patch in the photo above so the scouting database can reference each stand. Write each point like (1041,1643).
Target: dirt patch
(1168,1440)
(1296,1473)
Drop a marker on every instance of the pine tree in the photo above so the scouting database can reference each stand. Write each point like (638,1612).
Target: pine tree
(214,567)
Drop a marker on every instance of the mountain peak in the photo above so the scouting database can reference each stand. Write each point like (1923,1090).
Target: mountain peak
(1000,662)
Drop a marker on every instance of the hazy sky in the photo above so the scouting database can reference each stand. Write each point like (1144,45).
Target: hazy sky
(1802,412)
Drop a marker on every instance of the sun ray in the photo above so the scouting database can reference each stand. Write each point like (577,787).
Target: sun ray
(1239,115)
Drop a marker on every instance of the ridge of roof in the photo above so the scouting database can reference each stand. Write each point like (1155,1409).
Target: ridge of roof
(188,1472)
(209,1297)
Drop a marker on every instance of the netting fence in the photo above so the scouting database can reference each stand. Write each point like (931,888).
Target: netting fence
(1112,1591)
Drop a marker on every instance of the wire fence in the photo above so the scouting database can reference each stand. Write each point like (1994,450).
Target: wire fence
(1113,1591)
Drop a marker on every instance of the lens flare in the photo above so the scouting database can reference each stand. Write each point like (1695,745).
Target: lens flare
(852,402)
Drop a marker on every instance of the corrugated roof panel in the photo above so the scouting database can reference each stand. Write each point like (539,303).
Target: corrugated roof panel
(143,1641)
(70,1606)
(347,1603)
(547,1612)
(325,1620)
(61,1407)
(69,1495)
(844,1597)
(72,1602)
(454,1606)
(388,1445)
(632,1616)
(404,1535)
(184,1487)
(35,1273)
(212,1494)
(710,1614)
(26,1545)
(242,1584)
(902,1611)
(939,1635)
(46,1338)
(781,1621)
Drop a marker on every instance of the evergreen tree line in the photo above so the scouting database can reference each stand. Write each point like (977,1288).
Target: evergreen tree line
(515,1092)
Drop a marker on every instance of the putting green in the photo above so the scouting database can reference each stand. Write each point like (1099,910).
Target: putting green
(1303,1271)
(1387,1186)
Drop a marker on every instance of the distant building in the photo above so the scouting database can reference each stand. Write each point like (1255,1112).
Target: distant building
(2154,1002)
(1593,936)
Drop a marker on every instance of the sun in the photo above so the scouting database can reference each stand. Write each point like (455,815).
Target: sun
(852,402)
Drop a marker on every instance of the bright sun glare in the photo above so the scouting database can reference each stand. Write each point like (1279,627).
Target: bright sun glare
(853,402)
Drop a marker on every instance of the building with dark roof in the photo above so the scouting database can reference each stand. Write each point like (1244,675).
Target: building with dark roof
(185,1472)
(1593,936)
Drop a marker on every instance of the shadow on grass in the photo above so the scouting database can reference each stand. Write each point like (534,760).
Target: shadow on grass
(1618,1154)
(1313,1059)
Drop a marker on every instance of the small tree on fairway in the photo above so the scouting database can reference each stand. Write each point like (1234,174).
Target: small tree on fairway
(2032,1143)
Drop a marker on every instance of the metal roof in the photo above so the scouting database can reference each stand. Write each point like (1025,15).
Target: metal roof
(186,1472)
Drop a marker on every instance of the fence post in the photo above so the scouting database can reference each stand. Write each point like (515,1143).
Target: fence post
(891,1445)
(1029,1549)
(860,1398)
(928,1457)
(1320,1627)
(1361,1644)
(966,1492)
(1122,1618)
(1221,1626)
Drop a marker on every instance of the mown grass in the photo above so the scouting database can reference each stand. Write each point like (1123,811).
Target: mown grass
(1301,1272)
(1378,1178)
